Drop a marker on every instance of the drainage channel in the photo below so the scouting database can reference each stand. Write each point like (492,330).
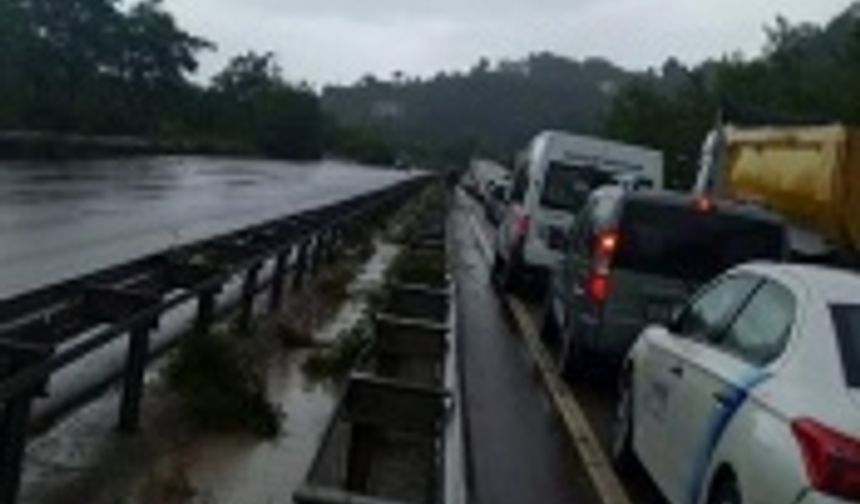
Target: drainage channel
(395,435)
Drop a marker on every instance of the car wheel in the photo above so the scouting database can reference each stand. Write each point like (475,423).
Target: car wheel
(726,491)
(623,455)
(510,276)
(496,269)
(571,359)
(549,329)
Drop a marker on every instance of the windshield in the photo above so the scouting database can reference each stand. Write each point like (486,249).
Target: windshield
(669,240)
(567,187)
(846,318)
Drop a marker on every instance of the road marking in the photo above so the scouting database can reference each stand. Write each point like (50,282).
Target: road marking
(600,471)
(483,243)
(603,476)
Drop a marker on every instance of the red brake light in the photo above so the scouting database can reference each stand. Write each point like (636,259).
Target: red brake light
(832,458)
(704,204)
(522,224)
(598,288)
(604,249)
(607,243)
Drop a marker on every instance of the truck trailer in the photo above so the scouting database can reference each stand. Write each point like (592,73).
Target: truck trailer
(810,175)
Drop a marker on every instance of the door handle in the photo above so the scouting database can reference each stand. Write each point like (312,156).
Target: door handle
(722,398)
(678,371)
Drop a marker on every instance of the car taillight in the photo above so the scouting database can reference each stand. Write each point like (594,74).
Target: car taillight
(522,223)
(598,288)
(604,250)
(832,458)
(704,204)
(598,282)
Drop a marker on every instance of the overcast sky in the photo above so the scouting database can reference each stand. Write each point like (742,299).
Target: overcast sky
(338,41)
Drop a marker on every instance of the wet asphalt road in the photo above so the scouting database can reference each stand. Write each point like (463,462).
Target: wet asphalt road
(60,219)
(596,397)
(518,450)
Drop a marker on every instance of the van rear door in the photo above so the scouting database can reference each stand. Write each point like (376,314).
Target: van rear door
(566,188)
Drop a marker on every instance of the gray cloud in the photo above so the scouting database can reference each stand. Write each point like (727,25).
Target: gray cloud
(327,41)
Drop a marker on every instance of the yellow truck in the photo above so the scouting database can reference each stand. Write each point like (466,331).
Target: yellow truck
(809,174)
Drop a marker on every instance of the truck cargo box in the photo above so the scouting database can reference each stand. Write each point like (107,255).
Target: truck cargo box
(810,175)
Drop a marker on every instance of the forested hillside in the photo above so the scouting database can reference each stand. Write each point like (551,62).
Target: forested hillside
(101,67)
(805,73)
(492,108)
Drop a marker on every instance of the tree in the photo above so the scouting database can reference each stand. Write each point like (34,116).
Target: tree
(258,107)
(86,65)
(806,74)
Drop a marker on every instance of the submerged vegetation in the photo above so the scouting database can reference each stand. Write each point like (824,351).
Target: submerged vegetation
(220,387)
(335,362)
(419,267)
(408,222)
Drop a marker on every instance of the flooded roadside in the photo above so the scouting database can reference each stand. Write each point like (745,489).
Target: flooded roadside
(82,460)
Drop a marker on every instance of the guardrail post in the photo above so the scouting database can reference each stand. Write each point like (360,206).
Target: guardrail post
(132,387)
(15,420)
(249,293)
(205,312)
(13,435)
(300,265)
(276,296)
(331,244)
(315,256)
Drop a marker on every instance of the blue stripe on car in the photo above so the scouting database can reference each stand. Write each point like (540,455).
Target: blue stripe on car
(717,425)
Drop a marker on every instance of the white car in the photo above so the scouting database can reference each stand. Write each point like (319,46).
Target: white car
(752,395)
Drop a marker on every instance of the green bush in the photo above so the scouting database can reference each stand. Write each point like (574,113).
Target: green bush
(220,388)
(335,362)
(422,268)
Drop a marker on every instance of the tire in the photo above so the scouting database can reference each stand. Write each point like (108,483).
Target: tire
(571,358)
(496,270)
(623,455)
(510,276)
(726,491)
(549,328)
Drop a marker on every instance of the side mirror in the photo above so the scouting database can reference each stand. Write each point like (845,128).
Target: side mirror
(676,321)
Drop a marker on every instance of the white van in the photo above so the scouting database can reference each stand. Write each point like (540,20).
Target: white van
(552,181)
(482,175)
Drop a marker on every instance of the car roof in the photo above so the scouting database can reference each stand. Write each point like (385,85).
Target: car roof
(686,201)
(832,285)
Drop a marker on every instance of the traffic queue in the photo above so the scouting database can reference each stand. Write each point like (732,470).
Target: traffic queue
(735,344)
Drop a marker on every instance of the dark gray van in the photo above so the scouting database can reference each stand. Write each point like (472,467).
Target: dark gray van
(633,256)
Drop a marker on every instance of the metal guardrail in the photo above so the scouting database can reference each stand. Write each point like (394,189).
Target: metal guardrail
(127,301)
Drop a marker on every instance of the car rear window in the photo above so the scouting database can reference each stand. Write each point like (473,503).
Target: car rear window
(846,318)
(567,186)
(692,245)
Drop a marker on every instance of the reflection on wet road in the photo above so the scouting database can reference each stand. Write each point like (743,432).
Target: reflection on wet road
(63,219)
(518,450)
(596,397)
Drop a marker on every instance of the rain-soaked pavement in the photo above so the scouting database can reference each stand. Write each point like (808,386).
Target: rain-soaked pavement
(518,450)
(596,397)
(63,219)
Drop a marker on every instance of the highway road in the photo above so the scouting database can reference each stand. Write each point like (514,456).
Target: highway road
(517,449)
(500,399)
(62,219)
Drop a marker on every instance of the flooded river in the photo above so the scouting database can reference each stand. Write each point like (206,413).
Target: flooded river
(62,219)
